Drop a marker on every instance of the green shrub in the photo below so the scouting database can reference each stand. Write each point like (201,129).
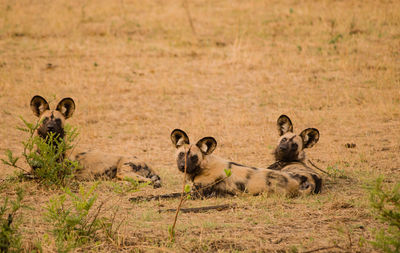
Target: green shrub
(76,223)
(46,156)
(10,238)
(385,203)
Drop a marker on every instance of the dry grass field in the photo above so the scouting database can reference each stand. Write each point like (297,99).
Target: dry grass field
(138,69)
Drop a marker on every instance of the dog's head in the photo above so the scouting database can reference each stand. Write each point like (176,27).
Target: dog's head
(191,155)
(290,146)
(52,121)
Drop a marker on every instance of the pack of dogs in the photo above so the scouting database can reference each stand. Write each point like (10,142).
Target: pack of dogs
(288,175)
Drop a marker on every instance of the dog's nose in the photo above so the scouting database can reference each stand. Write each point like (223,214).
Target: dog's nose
(50,128)
(283,147)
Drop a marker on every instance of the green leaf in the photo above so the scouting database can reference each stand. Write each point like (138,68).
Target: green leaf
(228,172)
(171,232)
(11,160)
(5,162)
(187,188)
(23,129)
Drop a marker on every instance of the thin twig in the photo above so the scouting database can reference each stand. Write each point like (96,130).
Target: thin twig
(156,197)
(72,149)
(202,209)
(189,16)
(315,166)
(172,232)
(95,216)
(15,166)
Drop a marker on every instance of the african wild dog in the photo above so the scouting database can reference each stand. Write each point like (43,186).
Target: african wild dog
(290,155)
(207,171)
(94,164)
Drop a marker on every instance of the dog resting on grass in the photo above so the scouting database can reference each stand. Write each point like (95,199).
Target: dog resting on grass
(207,171)
(94,164)
(290,155)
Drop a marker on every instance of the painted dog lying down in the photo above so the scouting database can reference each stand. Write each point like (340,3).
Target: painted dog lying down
(290,155)
(94,163)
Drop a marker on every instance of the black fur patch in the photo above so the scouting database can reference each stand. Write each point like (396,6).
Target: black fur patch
(240,186)
(240,165)
(194,173)
(214,190)
(43,132)
(277,165)
(111,172)
(141,170)
(268,179)
(272,175)
(286,156)
(303,180)
(318,183)
(144,171)
(51,125)
(192,167)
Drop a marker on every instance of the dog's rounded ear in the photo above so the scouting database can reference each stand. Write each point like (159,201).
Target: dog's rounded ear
(67,107)
(179,137)
(207,145)
(39,105)
(310,136)
(284,125)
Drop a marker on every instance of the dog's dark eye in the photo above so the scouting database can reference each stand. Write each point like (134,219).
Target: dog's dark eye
(194,158)
(294,146)
(181,155)
(58,121)
(284,140)
(45,120)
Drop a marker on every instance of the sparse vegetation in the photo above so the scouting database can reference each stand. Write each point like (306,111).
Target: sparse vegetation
(78,222)
(335,172)
(10,237)
(385,203)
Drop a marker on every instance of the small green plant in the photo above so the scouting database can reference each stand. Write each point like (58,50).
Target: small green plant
(335,172)
(385,203)
(46,156)
(10,238)
(293,249)
(77,222)
(335,39)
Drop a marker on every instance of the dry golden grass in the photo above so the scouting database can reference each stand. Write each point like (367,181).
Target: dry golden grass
(137,70)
